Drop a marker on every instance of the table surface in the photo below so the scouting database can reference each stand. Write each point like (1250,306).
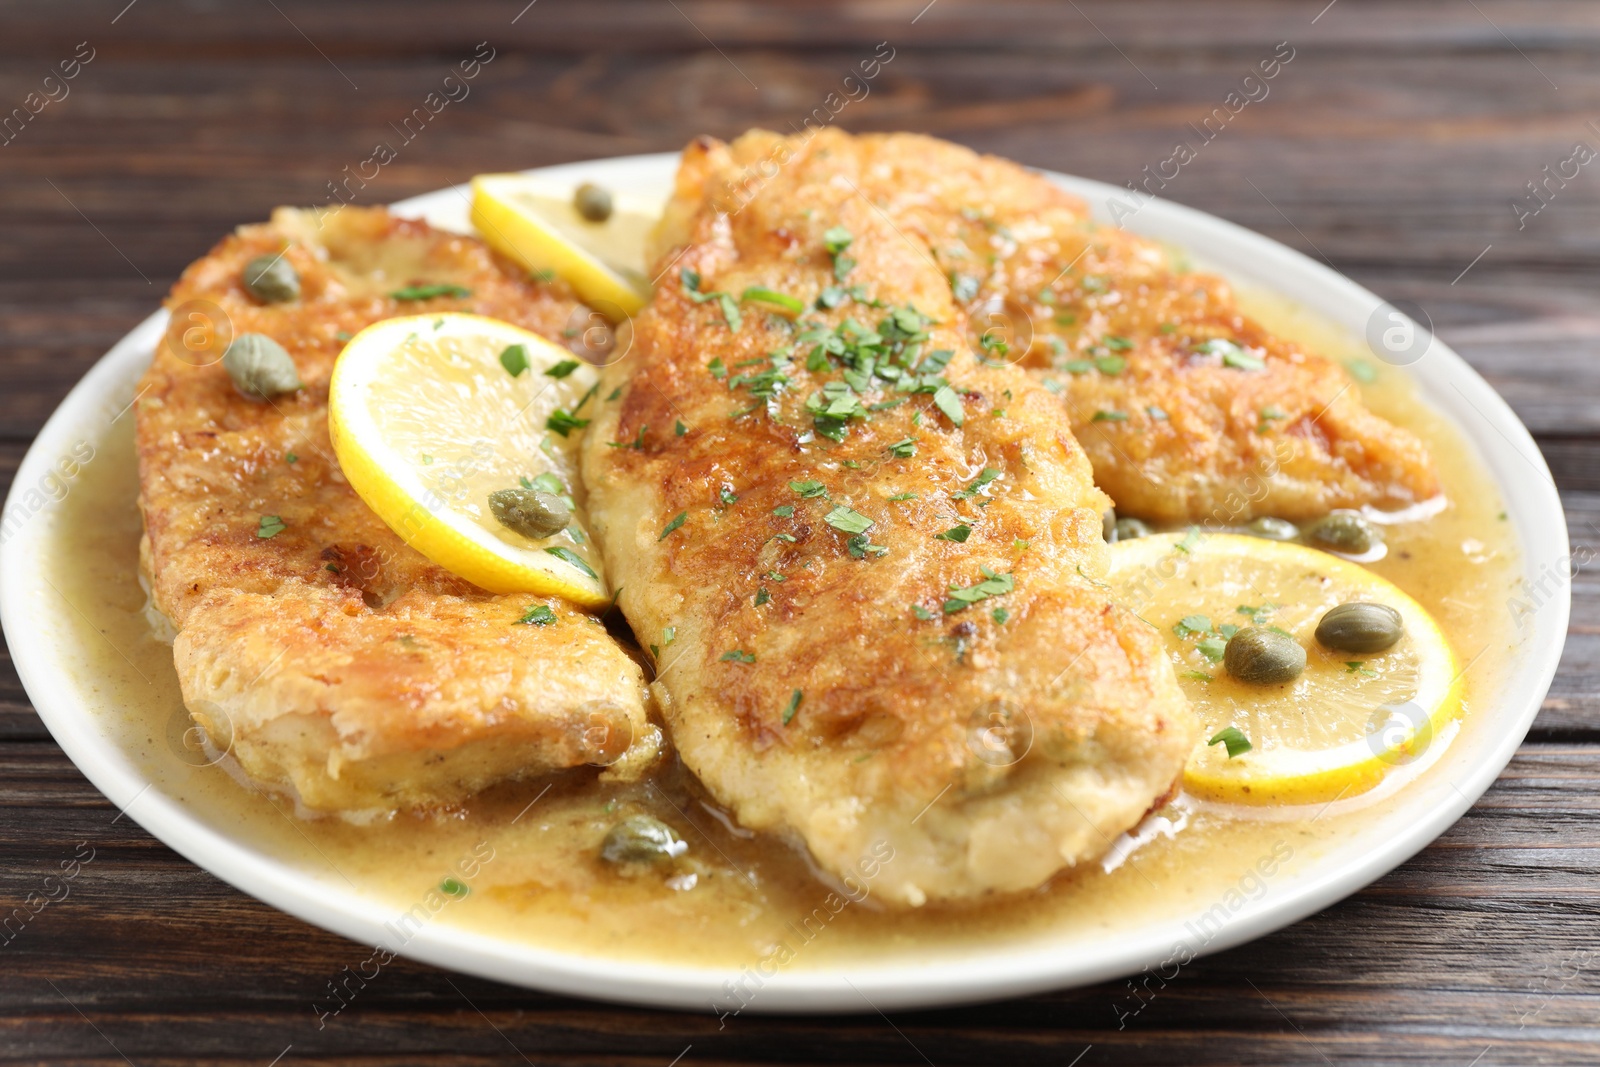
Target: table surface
(1394,146)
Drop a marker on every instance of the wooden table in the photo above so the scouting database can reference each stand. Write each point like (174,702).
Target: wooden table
(1393,145)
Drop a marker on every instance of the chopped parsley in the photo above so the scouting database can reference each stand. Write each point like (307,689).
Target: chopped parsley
(564,422)
(945,399)
(735,655)
(902,496)
(453,888)
(728,496)
(428,292)
(846,520)
(903,449)
(793,706)
(566,555)
(679,429)
(1232,354)
(677,521)
(1212,648)
(538,615)
(1190,539)
(836,240)
(1361,371)
(725,301)
(784,511)
(1237,743)
(963,597)
(1000,616)
(1110,416)
(1199,676)
(762,596)
(809,489)
(1255,613)
(560,370)
(1112,365)
(1117,344)
(1356,666)
(963,287)
(770,296)
(290,457)
(1190,625)
(514,358)
(958,534)
(987,475)
(921,612)
(270,526)
(718,371)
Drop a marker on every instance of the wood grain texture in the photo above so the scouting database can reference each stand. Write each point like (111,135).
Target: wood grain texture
(1393,146)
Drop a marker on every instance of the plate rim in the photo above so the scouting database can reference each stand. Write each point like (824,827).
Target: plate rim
(979,977)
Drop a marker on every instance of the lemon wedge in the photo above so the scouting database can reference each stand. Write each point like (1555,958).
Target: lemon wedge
(1335,730)
(533,220)
(429,414)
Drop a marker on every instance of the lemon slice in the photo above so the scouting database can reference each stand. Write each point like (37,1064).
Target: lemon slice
(1334,731)
(533,220)
(429,414)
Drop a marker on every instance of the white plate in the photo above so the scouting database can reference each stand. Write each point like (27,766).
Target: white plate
(35,624)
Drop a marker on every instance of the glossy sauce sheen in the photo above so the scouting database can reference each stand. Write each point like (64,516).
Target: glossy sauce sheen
(525,858)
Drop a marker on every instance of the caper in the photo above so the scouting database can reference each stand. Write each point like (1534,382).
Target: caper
(592,202)
(641,839)
(272,279)
(1263,657)
(1108,525)
(1345,531)
(530,512)
(1273,529)
(259,366)
(1128,529)
(1360,627)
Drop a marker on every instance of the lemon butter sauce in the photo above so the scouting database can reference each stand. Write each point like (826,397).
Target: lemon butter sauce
(732,899)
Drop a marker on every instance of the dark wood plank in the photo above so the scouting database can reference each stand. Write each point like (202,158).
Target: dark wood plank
(1487,938)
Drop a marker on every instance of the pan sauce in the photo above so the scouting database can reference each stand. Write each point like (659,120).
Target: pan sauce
(520,862)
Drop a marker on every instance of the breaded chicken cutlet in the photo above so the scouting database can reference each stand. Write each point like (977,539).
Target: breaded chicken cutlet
(875,554)
(312,642)
(1189,410)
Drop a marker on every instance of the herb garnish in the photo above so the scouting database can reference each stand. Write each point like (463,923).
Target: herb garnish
(270,526)
(987,475)
(1110,416)
(784,511)
(729,306)
(1237,743)
(560,370)
(958,534)
(538,615)
(993,584)
(564,422)
(735,655)
(903,449)
(566,555)
(794,706)
(428,292)
(514,358)
(836,240)
(809,489)
(1233,355)
(769,296)
(676,522)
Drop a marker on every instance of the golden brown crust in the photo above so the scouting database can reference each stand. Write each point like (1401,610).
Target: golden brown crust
(1174,435)
(335,658)
(902,706)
